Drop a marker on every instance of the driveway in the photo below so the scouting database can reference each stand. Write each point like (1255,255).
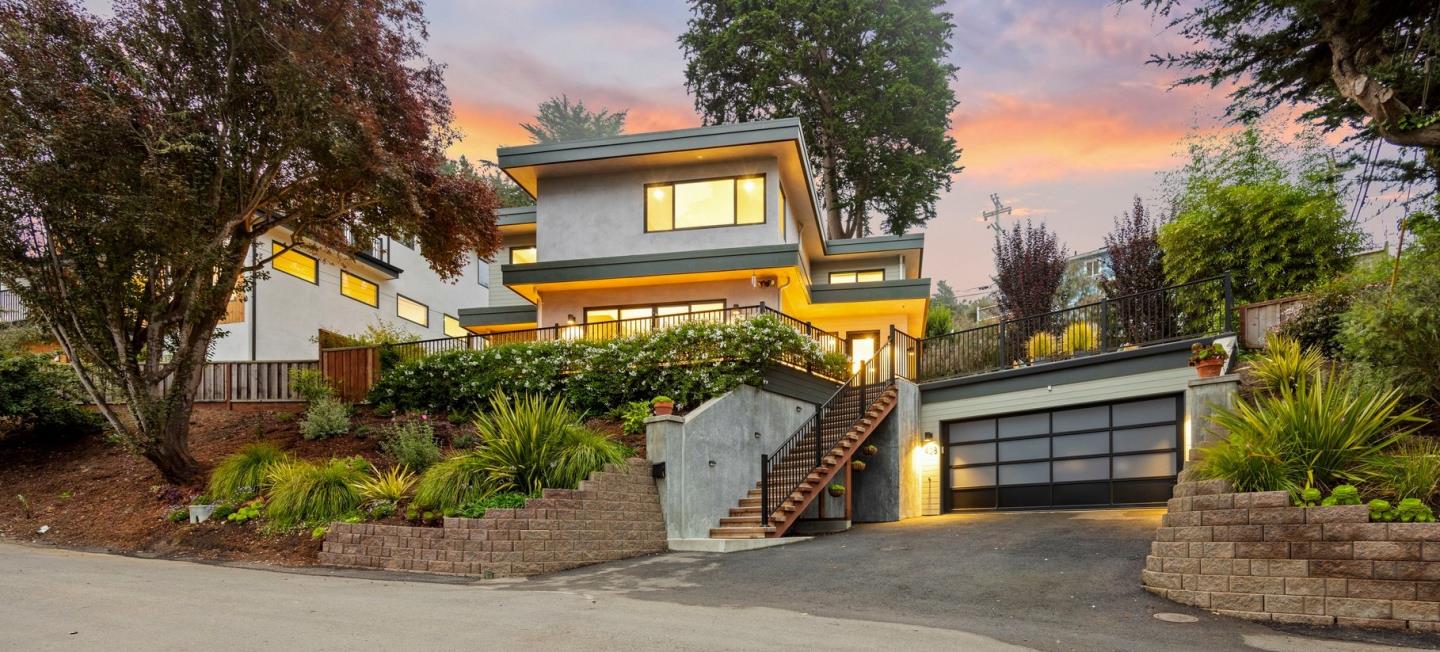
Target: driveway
(1052,581)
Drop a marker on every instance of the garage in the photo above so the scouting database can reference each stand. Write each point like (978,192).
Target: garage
(1099,455)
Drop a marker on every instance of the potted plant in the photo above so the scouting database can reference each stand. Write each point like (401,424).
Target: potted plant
(870,449)
(1207,360)
(836,489)
(201,508)
(857,465)
(663,405)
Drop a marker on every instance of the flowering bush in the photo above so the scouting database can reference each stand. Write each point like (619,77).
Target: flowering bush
(691,362)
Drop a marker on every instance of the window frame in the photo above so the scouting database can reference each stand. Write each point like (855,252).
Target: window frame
(511,253)
(654,309)
(362,279)
(857,273)
(399,297)
(735,212)
(314,262)
(445,326)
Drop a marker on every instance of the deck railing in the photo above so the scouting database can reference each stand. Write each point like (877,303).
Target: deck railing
(1179,312)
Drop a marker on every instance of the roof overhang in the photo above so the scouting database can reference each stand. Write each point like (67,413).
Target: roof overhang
(520,219)
(497,318)
(892,290)
(526,279)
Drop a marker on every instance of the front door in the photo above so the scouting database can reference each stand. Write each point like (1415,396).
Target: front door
(862,346)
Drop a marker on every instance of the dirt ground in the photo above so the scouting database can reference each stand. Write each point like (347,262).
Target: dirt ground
(90,494)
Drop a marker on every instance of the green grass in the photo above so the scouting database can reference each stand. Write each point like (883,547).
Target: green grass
(243,474)
(304,492)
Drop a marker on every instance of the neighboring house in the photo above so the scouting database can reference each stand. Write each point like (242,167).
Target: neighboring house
(655,225)
(11,310)
(310,288)
(1083,273)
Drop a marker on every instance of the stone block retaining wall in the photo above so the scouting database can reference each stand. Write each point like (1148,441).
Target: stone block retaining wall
(613,515)
(1254,556)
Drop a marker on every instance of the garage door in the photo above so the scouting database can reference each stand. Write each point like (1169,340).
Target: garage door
(1124,453)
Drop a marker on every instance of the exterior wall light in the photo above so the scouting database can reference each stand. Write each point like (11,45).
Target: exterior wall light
(931,446)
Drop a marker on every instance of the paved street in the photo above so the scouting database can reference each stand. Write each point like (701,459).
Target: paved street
(1058,581)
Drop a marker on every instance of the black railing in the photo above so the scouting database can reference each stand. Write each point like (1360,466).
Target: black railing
(829,343)
(1184,311)
(783,471)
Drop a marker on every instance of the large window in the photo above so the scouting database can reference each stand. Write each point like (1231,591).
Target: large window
(453,327)
(862,276)
(360,289)
(701,204)
(598,315)
(294,263)
(522,255)
(412,310)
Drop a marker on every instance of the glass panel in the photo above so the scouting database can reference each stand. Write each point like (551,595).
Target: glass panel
(1095,443)
(972,430)
(704,203)
(659,211)
(980,476)
(665,311)
(1091,418)
(1025,424)
(707,307)
(1144,466)
(410,310)
(294,263)
(637,313)
(522,255)
(1025,473)
(453,328)
(1095,468)
(972,454)
(862,348)
(1145,439)
(870,276)
(593,315)
(1156,410)
(842,277)
(1025,449)
(359,289)
(750,200)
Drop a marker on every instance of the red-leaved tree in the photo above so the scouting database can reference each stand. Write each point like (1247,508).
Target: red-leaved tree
(1029,265)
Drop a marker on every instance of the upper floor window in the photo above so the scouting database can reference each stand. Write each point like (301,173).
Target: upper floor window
(1094,267)
(705,203)
(453,327)
(359,289)
(863,276)
(412,310)
(294,263)
(597,315)
(522,255)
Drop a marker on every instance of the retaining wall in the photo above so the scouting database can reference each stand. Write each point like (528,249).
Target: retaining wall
(1253,555)
(613,515)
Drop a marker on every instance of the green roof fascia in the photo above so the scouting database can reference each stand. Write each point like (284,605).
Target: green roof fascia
(661,264)
(899,289)
(495,315)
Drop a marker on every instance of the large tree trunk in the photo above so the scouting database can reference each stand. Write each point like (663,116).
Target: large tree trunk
(170,448)
(834,225)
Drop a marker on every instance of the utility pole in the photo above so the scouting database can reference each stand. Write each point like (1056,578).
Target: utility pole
(993,217)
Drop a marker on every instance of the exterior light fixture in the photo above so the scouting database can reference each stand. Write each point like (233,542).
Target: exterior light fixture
(931,447)
(569,319)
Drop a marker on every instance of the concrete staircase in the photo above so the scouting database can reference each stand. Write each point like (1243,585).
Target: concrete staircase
(744,521)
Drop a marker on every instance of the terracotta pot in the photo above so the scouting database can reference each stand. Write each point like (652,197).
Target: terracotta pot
(664,408)
(1209,367)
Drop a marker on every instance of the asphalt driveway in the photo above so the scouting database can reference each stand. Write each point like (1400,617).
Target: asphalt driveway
(1052,580)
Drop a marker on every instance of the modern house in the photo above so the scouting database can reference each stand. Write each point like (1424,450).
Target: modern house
(311,287)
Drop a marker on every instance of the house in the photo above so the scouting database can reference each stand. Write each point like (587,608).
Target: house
(1083,274)
(311,287)
(660,225)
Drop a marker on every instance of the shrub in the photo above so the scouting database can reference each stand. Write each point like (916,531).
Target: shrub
(632,416)
(503,500)
(1412,470)
(1042,345)
(1079,337)
(392,486)
(1285,364)
(304,492)
(411,443)
(1320,434)
(691,362)
(453,481)
(244,474)
(327,417)
(1394,337)
(39,395)
(311,385)
(464,440)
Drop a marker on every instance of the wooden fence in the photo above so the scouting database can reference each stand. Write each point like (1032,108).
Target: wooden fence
(263,381)
(351,370)
(1258,319)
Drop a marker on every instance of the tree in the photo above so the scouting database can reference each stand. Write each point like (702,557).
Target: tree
(1028,267)
(868,81)
(1136,260)
(1266,212)
(511,195)
(557,120)
(141,157)
(1365,65)
(939,320)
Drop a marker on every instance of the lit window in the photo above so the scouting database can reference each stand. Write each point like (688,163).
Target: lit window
(294,263)
(598,315)
(453,327)
(699,204)
(862,348)
(360,289)
(863,276)
(522,255)
(411,310)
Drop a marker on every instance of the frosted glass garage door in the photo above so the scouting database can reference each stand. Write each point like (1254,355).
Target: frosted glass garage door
(1123,453)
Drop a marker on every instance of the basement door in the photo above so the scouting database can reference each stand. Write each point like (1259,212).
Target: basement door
(1109,454)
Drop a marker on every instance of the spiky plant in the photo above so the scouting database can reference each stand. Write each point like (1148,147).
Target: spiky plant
(1079,337)
(393,485)
(304,492)
(1412,470)
(532,443)
(452,482)
(243,474)
(1285,364)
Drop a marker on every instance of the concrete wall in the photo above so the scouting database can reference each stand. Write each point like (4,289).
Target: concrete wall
(289,310)
(556,307)
(1202,398)
(712,455)
(600,215)
(892,486)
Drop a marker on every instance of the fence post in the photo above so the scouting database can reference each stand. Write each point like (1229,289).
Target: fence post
(1001,362)
(229,387)
(764,489)
(810,333)
(891,344)
(1229,304)
(1104,325)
